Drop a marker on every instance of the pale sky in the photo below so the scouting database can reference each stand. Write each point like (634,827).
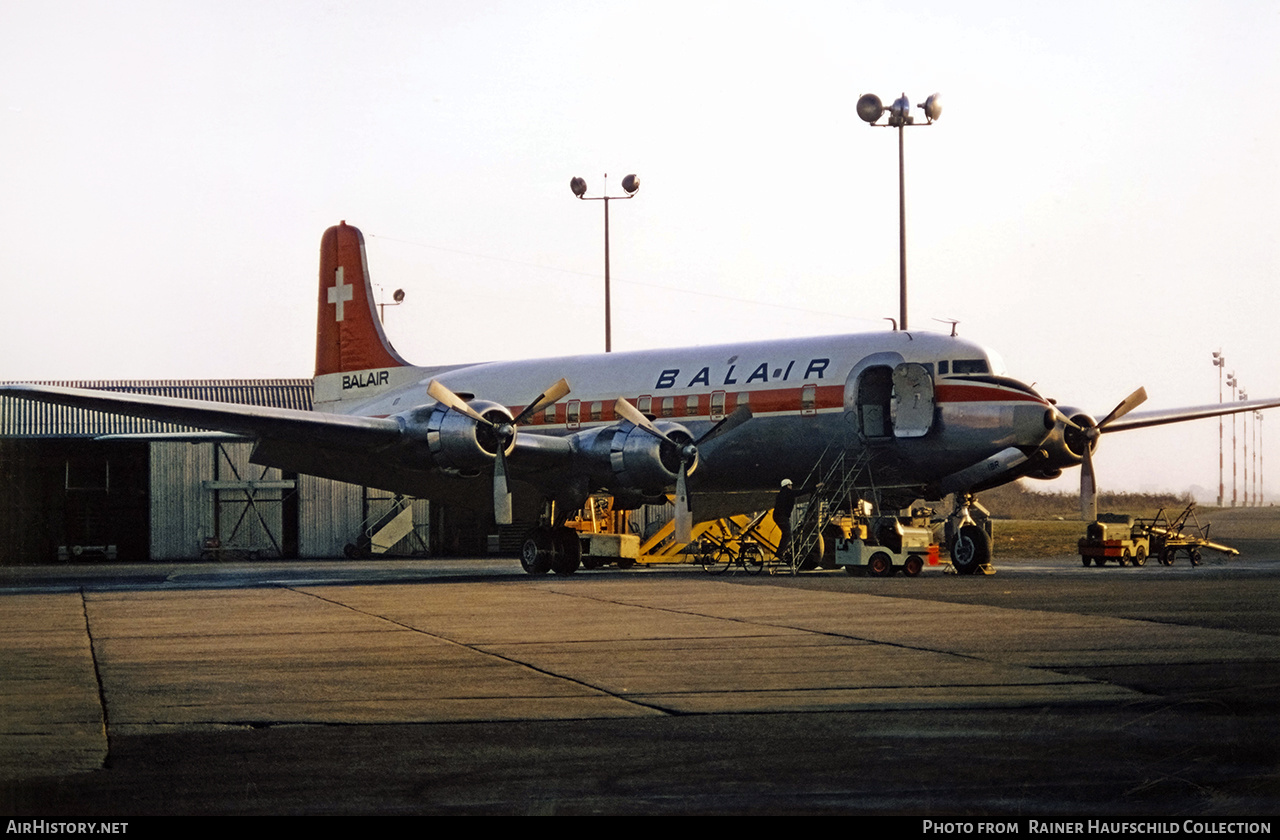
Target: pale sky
(1099,202)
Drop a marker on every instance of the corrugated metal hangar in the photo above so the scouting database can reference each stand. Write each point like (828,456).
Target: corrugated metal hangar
(84,485)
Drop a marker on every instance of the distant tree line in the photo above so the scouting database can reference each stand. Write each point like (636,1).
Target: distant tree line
(1018,501)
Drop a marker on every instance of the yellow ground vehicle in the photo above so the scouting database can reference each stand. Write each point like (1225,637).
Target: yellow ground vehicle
(882,545)
(1115,536)
(1129,540)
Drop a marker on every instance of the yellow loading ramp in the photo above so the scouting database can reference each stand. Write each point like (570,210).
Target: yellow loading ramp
(662,547)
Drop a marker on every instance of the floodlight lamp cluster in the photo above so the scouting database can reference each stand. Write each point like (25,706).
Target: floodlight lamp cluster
(870,109)
(630,183)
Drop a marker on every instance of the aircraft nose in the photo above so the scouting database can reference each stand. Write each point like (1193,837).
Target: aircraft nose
(1033,421)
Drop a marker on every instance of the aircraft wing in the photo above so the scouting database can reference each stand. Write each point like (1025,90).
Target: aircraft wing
(1143,419)
(374,451)
(256,422)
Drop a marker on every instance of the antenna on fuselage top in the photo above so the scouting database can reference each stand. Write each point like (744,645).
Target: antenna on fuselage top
(948,321)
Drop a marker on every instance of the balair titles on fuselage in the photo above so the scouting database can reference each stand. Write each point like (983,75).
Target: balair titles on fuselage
(670,376)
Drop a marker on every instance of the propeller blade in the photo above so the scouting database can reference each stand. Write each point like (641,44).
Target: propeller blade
(1088,488)
(1126,405)
(502,514)
(684,517)
(501,492)
(1088,478)
(444,396)
(548,397)
(740,415)
(627,411)
(688,454)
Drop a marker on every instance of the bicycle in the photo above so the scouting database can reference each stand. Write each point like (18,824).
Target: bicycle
(718,556)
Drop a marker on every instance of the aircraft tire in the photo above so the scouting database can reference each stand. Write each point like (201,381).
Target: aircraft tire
(912,566)
(567,556)
(971,550)
(535,552)
(880,564)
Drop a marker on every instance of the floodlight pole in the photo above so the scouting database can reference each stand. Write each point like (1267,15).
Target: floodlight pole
(902,229)
(1244,432)
(1232,383)
(630,183)
(870,110)
(1220,362)
(1257,453)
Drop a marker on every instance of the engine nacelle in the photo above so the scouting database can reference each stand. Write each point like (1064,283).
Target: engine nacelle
(461,446)
(1065,446)
(630,461)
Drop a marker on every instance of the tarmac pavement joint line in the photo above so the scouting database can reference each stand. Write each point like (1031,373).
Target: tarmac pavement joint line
(52,715)
(446,651)
(97,677)
(483,652)
(1029,638)
(696,658)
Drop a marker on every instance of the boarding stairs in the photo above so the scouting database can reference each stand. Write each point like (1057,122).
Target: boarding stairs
(834,478)
(383,530)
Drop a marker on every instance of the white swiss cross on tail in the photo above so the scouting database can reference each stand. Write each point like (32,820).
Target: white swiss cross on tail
(340,293)
(349,338)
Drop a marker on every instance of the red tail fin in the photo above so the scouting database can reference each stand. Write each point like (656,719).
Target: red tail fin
(349,336)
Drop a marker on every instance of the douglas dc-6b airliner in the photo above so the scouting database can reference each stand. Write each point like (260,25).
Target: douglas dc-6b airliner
(927,414)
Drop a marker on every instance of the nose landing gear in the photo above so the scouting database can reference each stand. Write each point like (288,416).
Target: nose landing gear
(968,536)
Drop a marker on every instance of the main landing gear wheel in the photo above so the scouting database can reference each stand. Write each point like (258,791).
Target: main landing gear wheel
(880,564)
(536,552)
(568,552)
(971,550)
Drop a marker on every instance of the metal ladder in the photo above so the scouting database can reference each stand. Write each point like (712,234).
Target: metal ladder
(832,480)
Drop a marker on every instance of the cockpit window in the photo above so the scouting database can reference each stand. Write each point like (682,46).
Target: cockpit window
(963,366)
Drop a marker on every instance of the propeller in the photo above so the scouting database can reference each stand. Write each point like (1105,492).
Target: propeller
(504,432)
(688,453)
(1088,479)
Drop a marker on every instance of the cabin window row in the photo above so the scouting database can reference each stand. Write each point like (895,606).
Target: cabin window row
(715,405)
